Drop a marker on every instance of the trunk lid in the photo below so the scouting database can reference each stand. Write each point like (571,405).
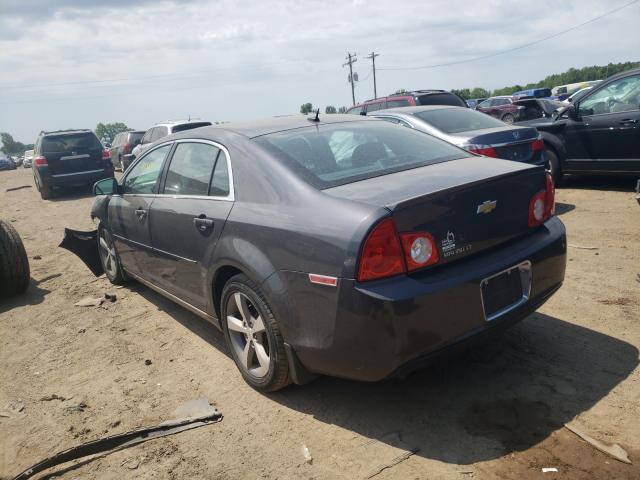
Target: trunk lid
(510,143)
(468,205)
(72,152)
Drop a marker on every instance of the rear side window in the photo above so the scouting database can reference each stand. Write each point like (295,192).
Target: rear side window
(372,107)
(330,155)
(220,181)
(190,169)
(403,102)
(440,99)
(143,176)
(134,138)
(455,120)
(146,138)
(77,142)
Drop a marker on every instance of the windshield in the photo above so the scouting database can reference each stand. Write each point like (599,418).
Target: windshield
(455,120)
(330,155)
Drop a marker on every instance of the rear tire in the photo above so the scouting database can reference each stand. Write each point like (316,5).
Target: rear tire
(553,165)
(46,193)
(14,264)
(253,336)
(508,118)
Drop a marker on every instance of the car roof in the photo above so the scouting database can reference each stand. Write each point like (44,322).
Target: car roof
(417,109)
(265,126)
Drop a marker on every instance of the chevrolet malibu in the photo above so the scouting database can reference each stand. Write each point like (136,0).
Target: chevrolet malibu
(343,245)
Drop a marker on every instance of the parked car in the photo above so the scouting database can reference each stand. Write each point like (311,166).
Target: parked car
(346,246)
(6,163)
(28,159)
(123,144)
(69,158)
(407,99)
(502,108)
(537,108)
(17,161)
(533,92)
(473,102)
(474,131)
(161,130)
(599,133)
(577,95)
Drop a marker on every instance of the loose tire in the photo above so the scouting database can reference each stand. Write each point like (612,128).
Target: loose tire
(253,335)
(109,257)
(508,118)
(14,264)
(553,165)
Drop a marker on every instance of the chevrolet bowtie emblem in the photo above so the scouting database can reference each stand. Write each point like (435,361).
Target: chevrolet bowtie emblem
(487,207)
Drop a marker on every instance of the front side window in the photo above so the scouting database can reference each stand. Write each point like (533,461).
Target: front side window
(622,95)
(355,110)
(190,169)
(144,175)
(329,155)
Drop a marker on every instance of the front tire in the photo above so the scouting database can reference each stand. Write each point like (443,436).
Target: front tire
(253,336)
(14,264)
(109,257)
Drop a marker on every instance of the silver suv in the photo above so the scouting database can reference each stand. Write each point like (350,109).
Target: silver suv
(160,130)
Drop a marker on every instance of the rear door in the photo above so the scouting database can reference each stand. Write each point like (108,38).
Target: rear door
(188,216)
(73,152)
(129,212)
(606,137)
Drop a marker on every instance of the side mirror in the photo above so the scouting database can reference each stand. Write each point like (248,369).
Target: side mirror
(571,111)
(106,186)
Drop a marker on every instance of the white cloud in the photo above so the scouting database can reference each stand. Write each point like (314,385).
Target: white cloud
(240,59)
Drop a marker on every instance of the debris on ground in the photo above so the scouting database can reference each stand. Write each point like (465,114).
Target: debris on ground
(110,296)
(89,302)
(307,455)
(36,257)
(13,409)
(17,188)
(198,413)
(78,407)
(549,469)
(49,398)
(148,362)
(582,247)
(615,301)
(613,450)
(131,463)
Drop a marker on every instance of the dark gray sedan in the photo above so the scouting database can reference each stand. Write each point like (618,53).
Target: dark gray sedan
(346,246)
(472,130)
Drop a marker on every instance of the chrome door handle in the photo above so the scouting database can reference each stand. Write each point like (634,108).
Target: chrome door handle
(141,214)
(203,223)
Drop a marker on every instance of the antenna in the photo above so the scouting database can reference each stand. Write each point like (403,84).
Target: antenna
(316,118)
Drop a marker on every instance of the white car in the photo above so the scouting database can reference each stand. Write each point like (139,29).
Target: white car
(160,130)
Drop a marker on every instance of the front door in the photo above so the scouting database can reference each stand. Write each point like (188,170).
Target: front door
(606,137)
(187,219)
(129,212)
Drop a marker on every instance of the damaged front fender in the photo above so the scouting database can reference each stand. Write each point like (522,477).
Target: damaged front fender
(99,208)
(85,246)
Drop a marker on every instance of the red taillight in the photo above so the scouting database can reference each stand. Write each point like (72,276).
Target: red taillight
(486,151)
(126,148)
(40,161)
(542,205)
(537,145)
(387,253)
(382,254)
(420,250)
(106,155)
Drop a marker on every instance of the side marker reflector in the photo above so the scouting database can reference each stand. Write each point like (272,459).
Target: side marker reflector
(323,280)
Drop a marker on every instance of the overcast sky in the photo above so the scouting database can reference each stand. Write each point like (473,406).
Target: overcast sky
(74,63)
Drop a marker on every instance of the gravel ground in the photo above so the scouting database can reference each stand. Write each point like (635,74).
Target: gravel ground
(496,412)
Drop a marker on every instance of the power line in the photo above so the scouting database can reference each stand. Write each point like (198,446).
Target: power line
(529,44)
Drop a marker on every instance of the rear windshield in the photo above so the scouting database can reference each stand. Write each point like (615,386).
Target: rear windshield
(455,120)
(76,142)
(134,138)
(189,126)
(440,99)
(331,155)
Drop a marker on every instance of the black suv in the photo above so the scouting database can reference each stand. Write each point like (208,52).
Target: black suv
(409,99)
(123,144)
(599,133)
(69,158)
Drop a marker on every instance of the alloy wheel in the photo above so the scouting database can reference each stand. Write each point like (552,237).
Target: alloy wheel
(248,335)
(108,254)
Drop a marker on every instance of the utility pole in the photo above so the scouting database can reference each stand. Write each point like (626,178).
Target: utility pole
(373,56)
(351,59)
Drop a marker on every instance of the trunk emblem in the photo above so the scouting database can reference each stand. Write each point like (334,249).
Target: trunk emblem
(516,135)
(487,206)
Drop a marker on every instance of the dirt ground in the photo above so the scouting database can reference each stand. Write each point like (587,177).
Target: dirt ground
(495,413)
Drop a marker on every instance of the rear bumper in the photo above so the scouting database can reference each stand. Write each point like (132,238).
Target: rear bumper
(88,177)
(378,329)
